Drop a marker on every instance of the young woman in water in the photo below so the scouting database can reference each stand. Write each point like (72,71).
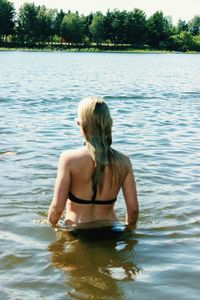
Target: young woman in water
(89,178)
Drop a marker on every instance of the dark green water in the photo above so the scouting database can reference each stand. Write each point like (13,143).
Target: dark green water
(155,104)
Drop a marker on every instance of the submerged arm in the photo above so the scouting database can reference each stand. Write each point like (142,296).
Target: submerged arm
(61,190)
(130,196)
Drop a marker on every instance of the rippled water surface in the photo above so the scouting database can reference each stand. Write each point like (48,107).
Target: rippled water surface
(155,104)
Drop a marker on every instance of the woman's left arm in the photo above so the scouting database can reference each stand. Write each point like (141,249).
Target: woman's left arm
(61,190)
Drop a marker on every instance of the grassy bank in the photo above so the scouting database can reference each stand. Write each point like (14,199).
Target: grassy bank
(107,49)
(94,50)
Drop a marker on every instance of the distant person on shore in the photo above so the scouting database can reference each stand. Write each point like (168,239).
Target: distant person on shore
(89,178)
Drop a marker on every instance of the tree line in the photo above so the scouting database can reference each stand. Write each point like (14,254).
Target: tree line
(39,26)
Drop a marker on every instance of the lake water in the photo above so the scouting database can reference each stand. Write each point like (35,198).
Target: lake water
(155,103)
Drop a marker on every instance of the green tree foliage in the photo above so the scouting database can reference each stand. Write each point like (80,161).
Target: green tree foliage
(44,24)
(72,28)
(38,25)
(194,25)
(35,24)
(97,27)
(188,37)
(88,22)
(108,26)
(175,42)
(196,42)
(27,23)
(187,40)
(182,26)
(184,41)
(159,29)
(7,14)
(58,21)
(118,25)
(115,23)
(136,27)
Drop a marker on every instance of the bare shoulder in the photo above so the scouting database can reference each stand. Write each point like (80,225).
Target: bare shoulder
(72,155)
(124,158)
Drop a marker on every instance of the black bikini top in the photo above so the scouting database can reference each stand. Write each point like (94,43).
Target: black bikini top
(92,201)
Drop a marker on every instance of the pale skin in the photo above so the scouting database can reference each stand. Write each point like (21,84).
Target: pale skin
(75,169)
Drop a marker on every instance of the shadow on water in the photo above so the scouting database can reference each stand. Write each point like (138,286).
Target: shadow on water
(95,267)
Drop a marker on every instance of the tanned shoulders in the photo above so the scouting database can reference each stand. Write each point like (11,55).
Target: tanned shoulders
(124,158)
(71,155)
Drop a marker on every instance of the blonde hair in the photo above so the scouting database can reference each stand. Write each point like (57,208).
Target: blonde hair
(96,123)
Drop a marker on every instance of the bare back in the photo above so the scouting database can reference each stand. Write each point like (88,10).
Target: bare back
(74,176)
(82,169)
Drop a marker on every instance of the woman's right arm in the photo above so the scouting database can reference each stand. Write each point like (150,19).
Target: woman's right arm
(130,196)
(61,190)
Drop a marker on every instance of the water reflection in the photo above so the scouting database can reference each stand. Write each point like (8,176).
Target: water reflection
(93,267)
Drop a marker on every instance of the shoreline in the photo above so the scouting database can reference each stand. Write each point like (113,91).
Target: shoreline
(96,50)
